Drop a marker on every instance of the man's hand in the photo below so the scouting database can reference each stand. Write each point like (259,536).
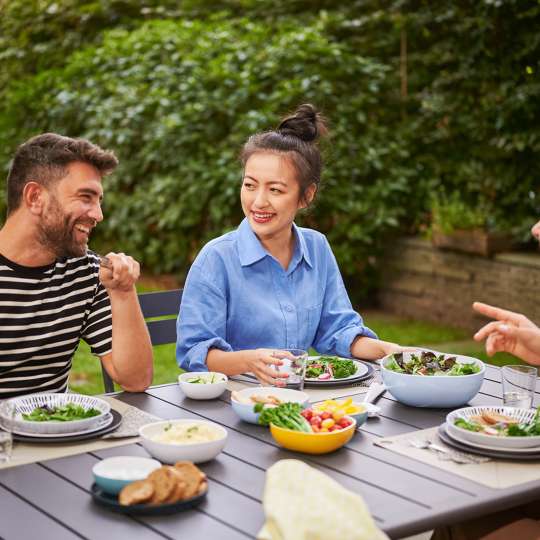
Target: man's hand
(122,274)
(511,332)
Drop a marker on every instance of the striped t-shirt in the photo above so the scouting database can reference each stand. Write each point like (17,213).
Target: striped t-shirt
(44,312)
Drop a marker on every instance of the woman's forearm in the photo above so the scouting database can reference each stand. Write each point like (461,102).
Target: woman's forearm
(372,349)
(229,363)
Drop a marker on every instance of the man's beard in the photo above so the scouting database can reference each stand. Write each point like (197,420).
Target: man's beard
(56,233)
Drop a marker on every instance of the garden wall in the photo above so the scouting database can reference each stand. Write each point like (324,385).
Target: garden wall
(423,282)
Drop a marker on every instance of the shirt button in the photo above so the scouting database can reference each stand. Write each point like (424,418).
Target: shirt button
(289,308)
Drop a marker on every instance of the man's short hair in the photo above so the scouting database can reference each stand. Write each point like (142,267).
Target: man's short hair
(44,159)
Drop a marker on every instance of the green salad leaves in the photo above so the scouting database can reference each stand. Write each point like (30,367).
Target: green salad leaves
(428,363)
(335,367)
(64,413)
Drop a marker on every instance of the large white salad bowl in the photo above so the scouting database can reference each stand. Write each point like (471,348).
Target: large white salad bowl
(440,391)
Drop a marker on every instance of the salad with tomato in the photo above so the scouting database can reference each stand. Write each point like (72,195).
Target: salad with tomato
(292,416)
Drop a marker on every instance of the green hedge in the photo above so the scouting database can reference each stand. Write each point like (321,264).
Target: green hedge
(178,99)
(175,88)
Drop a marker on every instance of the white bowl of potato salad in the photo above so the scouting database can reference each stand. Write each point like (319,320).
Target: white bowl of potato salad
(170,441)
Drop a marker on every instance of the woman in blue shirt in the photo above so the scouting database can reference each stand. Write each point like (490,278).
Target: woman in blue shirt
(269,284)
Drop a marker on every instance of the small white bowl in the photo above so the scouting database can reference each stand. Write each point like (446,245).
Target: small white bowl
(112,474)
(209,390)
(245,410)
(173,452)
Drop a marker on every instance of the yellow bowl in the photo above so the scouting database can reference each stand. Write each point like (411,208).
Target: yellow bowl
(313,443)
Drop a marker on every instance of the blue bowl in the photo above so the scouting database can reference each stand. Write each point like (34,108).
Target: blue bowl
(112,474)
(438,391)
(245,410)
(360,417)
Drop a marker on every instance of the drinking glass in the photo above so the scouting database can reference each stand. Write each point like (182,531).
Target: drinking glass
(294,363)
(518,384)
(7,415)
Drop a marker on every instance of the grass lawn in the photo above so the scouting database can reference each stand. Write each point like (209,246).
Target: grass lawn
(86,374)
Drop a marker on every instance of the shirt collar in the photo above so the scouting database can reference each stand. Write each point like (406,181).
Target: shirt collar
(250,249)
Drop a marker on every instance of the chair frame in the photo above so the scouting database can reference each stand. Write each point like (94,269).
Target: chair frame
(155,304)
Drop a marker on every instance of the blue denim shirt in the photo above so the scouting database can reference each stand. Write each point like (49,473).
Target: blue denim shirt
(237,297)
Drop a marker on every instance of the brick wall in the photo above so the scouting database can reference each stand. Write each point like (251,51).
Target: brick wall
(423,282)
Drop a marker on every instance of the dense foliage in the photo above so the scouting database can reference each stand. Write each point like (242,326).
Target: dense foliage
(176,90)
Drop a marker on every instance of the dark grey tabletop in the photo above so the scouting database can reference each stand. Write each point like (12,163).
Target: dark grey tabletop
(52,500)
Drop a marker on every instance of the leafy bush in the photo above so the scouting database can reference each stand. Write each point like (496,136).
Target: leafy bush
(178,99)
(175,88)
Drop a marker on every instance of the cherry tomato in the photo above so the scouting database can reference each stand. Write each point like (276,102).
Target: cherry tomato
(315,420)
(325,415)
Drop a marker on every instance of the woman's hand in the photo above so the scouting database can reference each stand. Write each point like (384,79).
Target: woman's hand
(261,361)
(511,332)
(372,349)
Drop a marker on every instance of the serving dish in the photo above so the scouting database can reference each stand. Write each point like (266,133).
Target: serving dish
(111,502)
(312,443)
(481,439)
(27,404)
(357,410)
(441,391)
(245,410)
(169,452)
(105,421)
(198,390)
(112,474)
(498,454)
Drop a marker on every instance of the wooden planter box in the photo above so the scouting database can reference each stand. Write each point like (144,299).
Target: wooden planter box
(476,241)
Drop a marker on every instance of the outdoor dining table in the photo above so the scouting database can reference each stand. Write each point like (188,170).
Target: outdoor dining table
(52,499)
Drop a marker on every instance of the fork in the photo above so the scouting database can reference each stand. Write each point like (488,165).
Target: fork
(105,262)
(453,455)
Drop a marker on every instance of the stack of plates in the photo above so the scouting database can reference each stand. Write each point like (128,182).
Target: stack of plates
(527,448)
(56,431)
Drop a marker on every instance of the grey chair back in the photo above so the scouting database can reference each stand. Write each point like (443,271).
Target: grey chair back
(155,304)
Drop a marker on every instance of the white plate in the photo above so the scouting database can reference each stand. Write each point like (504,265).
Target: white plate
(26,404)
(361,369)
(105,420)
(506,443)
(462,440)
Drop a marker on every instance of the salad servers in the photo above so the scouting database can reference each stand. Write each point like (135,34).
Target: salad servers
(376,390)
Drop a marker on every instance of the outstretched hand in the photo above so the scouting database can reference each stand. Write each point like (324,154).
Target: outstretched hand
(511,332)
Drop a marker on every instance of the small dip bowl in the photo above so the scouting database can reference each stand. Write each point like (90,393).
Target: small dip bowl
(202,384)
(112,474)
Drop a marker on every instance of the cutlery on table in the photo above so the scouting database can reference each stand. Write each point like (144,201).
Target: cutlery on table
(453,455)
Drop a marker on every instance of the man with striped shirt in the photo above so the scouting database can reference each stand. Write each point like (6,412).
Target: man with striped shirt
(53,290)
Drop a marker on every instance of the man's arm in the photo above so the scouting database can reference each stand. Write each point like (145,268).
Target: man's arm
(130,363)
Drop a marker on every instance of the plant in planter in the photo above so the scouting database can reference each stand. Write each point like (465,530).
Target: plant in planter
(458,226)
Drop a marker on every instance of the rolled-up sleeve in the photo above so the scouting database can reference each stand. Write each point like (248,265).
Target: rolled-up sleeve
(339,324)
(201,323)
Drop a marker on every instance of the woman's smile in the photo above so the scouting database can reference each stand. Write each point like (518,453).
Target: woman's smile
(262,217)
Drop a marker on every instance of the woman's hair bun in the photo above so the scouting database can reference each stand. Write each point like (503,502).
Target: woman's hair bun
(306,124)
